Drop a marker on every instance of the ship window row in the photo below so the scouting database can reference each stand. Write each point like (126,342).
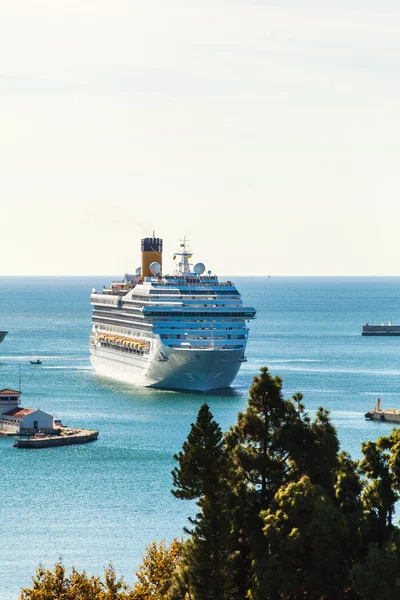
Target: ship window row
(136,298)
(120,322)
(201,337)
(185,315)
(216,326)
(171,323)
(201,331)
(205,324)
(112,301)
(117,314)
(116,311)
(180,292)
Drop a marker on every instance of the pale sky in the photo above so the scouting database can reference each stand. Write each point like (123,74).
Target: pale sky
(267,132)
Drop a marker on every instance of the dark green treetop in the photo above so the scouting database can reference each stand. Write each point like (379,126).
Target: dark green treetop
(206,569)
(201,461)
(304,535)
(378,577)
(259,441)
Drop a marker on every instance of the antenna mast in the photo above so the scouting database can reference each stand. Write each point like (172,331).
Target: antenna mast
(183,265)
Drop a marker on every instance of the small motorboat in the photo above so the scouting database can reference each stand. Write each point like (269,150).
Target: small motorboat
(35,362)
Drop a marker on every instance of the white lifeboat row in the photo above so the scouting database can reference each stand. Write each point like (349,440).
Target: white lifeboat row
(119,340)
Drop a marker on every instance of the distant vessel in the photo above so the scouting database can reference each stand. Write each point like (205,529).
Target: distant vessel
(382,329)
(377,414)
(181,331)
(3,334)
(35,362)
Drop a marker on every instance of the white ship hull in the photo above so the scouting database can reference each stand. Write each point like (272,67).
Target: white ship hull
(198,370)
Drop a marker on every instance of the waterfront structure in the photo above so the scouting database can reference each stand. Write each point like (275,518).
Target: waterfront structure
(181,331)
(17,420)
(377,414)
(382,329)
(64,437)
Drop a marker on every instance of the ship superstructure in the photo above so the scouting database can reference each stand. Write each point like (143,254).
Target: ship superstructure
(181,331)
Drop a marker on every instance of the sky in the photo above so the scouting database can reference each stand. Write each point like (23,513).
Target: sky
(266,132)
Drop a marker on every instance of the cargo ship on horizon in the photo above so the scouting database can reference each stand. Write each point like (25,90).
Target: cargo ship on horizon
(182,331)
(381,329)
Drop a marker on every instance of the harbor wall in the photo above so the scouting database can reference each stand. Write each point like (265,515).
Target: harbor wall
(385,416)
(64,440)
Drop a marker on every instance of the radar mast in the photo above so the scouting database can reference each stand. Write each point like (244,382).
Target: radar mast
(183,267)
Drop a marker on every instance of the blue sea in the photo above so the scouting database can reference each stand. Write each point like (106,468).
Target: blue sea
(103,502)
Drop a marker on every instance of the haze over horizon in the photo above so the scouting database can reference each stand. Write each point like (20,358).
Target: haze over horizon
(266,132)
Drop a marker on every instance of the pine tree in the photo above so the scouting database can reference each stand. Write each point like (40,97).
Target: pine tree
(201,474)
(207,556)
(304,535)
(260,440)
(201,461)
(322,452)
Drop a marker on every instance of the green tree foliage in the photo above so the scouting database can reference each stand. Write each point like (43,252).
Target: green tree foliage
(56,584)
(322,453)
(379,494)
(156,571)
(206,555)
(304,558)
(282,515)
(379,576)
(348,485)
(201,461)
(202,473)
(259,441)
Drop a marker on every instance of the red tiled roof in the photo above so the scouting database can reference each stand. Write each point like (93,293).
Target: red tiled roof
(19,413)
(7,392)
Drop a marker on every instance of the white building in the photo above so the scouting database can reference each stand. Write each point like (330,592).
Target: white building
(15,419)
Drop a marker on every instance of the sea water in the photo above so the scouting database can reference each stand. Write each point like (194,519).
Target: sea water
(103,502)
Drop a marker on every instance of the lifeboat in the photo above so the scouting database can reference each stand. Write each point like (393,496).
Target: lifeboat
(136,345)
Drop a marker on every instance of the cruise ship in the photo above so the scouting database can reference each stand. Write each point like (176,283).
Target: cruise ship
(185,331)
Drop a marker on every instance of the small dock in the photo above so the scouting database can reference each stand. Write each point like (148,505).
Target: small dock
(65,437)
